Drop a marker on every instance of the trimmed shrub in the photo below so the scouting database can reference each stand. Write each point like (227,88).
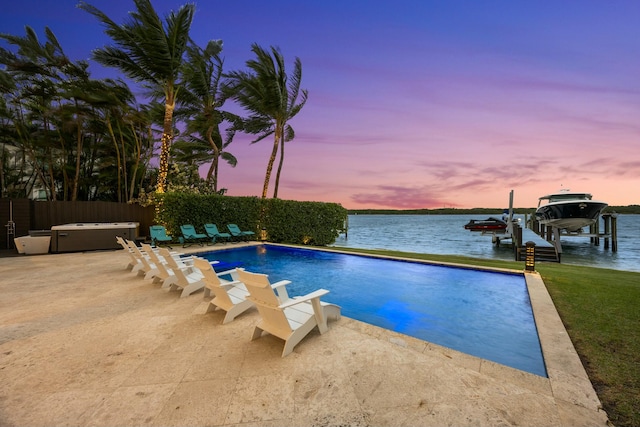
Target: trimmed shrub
(307,223)
(284,221)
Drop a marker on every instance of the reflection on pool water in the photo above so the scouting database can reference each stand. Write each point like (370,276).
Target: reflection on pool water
(482,313)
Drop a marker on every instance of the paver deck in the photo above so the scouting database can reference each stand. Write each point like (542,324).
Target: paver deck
(85,342)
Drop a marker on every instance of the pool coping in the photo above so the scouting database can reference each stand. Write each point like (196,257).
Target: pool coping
(567,380)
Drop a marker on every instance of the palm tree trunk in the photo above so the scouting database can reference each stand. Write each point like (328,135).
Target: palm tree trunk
(52,179)
(138,154)
(212,175)
(76,177)
(277,184)
(122,164)
(118,164)
(167,136)
(272,159)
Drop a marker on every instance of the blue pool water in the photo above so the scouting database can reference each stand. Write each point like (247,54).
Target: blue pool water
(485,314)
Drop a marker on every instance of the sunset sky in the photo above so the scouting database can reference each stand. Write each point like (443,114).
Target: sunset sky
(422,104)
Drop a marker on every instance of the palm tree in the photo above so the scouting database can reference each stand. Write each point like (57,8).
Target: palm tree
(150,51)
(200,106)
(70,134)
(271,97)
(37,71)
(126,125)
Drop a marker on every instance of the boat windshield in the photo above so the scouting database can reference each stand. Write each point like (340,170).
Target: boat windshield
(570,196)
(561,197)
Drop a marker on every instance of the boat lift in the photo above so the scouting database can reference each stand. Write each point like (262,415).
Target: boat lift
(517,236)
(553,234)
(507,234)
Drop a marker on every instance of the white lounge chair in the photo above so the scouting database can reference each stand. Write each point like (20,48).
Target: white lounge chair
(162,270)
(156,263)
(290,320)
(172,263)
(145,266)
(184,276)
(148,259)
(134,263)
(230,296)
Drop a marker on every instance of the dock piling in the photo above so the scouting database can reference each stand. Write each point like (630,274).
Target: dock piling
(611,230)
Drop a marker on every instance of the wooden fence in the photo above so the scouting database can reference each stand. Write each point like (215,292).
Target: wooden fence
(38,215)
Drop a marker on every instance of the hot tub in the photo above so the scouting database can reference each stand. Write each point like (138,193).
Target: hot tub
(91,236)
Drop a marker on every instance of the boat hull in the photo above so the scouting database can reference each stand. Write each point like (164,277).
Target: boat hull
(571,216)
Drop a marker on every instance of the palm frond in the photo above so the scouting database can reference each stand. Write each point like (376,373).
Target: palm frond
(289,133)
(229,158)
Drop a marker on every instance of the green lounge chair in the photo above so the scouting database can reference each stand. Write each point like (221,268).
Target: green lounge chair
(239,234)
(190,235)
(159,236)
(214,234)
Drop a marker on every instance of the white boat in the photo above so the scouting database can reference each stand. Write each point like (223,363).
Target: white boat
(568,210)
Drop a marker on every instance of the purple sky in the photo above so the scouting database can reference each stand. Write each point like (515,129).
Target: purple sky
(423,104)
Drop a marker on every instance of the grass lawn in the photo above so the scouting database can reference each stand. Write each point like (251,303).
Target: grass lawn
(600,309)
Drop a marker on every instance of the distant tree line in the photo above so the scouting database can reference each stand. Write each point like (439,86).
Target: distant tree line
(438,211)
(73,137)
(630,209)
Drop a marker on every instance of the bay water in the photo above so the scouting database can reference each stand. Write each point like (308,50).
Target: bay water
(446,235)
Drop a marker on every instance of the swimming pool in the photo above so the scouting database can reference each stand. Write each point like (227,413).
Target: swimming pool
(483,313)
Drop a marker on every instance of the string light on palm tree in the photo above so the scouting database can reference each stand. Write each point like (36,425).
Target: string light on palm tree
(163,169)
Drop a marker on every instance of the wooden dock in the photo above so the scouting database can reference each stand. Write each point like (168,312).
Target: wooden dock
(519,236)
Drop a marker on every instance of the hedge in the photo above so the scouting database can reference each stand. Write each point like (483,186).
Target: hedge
(284,221)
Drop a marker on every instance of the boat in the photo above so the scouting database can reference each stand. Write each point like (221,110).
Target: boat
(490,223)
(568,210)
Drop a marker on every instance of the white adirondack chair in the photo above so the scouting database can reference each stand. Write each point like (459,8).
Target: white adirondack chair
(183,276)
(152,263)
(230,296)
(145,267)
(162,270)
(173,260)
(134,263)
(290,320)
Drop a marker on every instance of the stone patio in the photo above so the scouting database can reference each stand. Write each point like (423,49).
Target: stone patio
(85,342)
